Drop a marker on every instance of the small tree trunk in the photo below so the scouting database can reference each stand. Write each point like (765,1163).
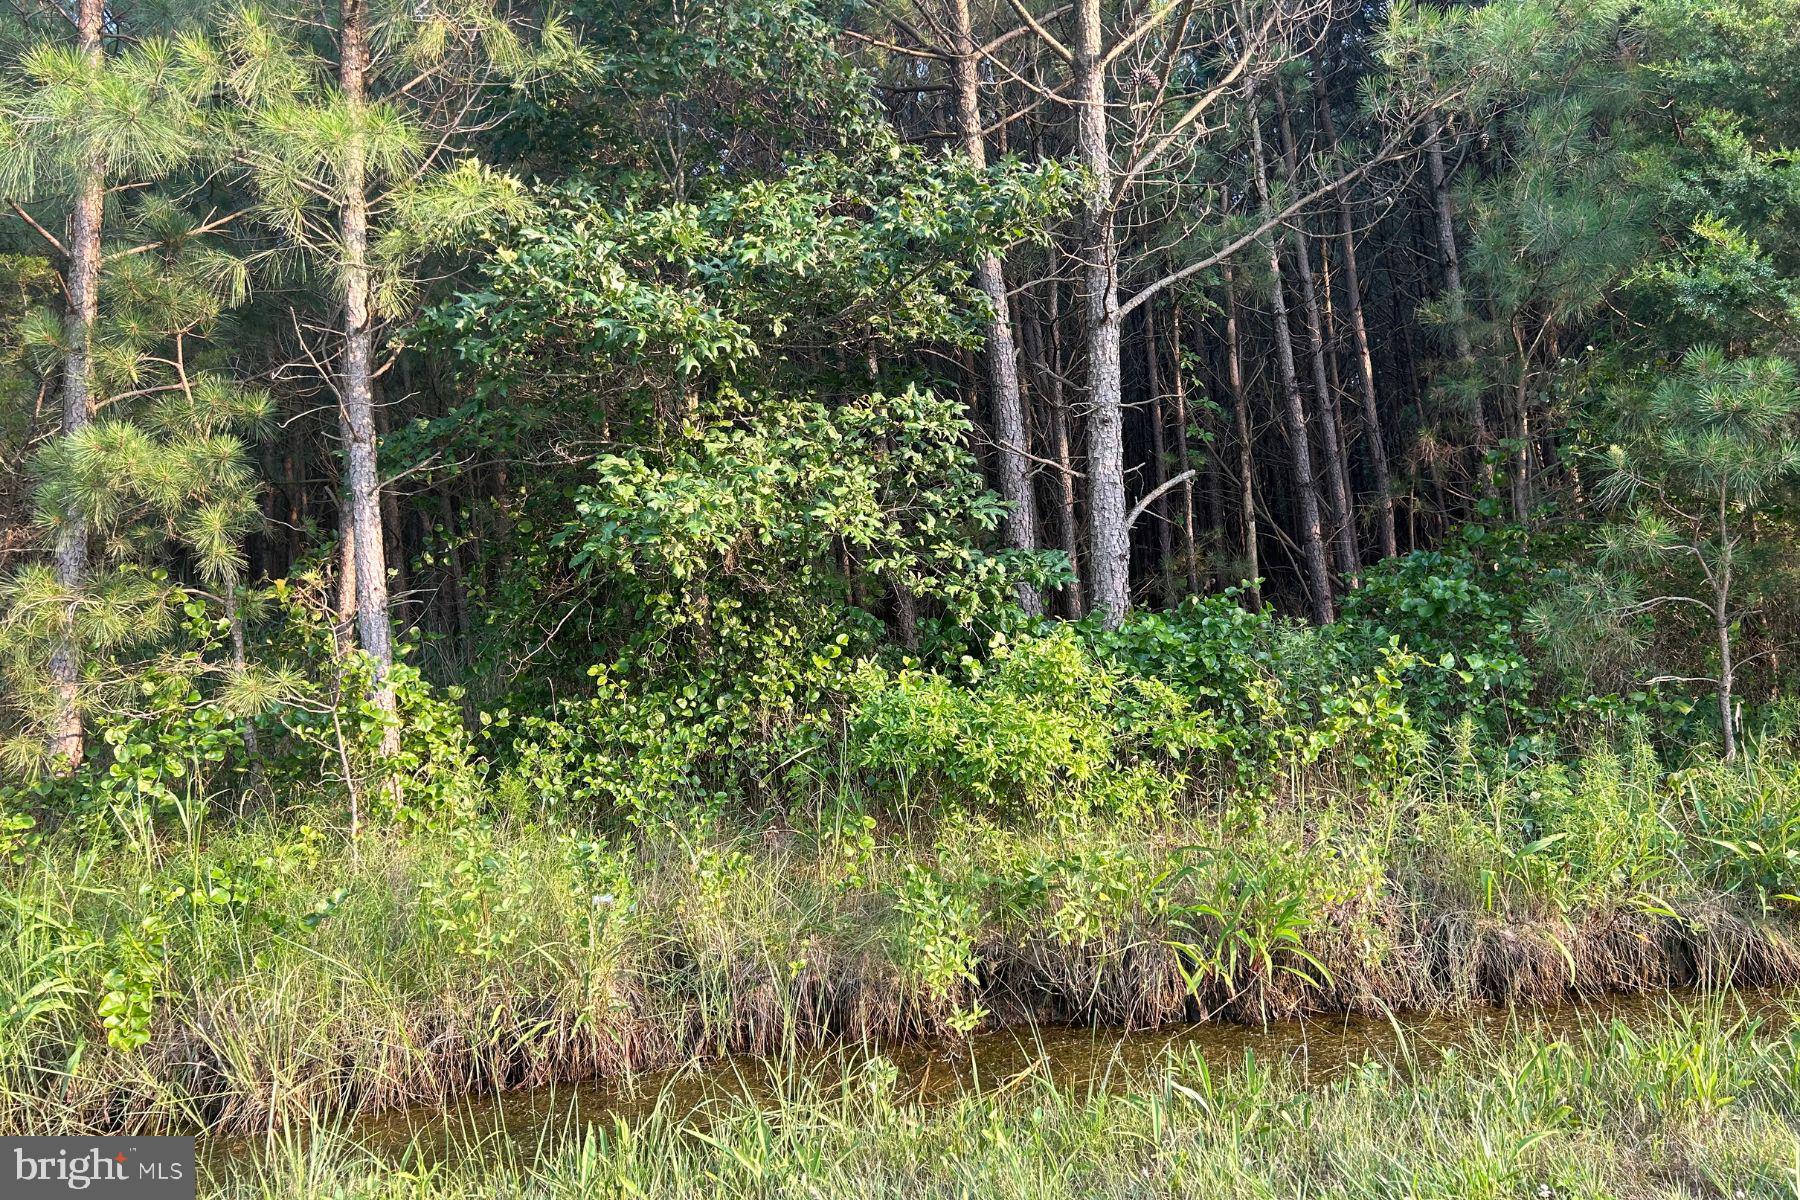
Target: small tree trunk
(293,492)
(1246,455)
(1109,554)
(906,614)
(234,621)
(1521,434)
(459,591)
(393,536)
(1044,345)
(1306,488)
(1722,628)
(66,741)
(356,386)
(1010,436)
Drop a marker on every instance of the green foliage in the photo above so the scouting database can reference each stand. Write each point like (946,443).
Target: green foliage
(1248,924)
(937,942)
(1716,426)
(722,550)
(732,622)
(1043,728)
(1272,694)
(141,114)
(745,482)
(303,146)
(321,730)
(1460,609)
(716,290)
(165,478)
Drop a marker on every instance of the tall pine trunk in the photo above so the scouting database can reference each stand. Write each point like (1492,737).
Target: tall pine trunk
(1246,453)
(1109,554)
(356,384)
(66,740)
(1306,486)
(1337,479)
(1450,265)
(1365,361)
(1183,459)
(1159,465)
(1014,468)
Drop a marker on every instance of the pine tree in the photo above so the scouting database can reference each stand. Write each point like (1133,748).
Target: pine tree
(1699,453)
(358,126)
(77,125)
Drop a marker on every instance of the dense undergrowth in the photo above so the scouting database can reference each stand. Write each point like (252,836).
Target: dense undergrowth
(1700,1105)
(255,975)
(1210,813)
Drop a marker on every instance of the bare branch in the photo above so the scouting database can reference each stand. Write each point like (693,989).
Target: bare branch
(209,226)
(897,48)
(1145,26)
(41,231)
(1061,51)
(1137,511)
(1388,152)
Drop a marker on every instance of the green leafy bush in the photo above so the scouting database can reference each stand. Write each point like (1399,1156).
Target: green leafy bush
(1460,609)
(1043,728)
(1271,694)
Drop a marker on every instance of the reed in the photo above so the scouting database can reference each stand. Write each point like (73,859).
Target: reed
(254,976)
(1701,1103)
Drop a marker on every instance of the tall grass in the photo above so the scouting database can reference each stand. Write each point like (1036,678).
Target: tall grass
(253,976)
(1699,1104)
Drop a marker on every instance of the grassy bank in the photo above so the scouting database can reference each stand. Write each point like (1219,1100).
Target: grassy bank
(1698,1106)
(255,975)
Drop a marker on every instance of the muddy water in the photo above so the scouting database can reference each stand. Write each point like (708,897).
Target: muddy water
(534,1121)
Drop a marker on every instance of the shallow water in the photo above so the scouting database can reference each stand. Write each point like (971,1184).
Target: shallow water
(537,1120)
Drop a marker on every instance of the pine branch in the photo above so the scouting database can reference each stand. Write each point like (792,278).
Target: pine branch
(30,220)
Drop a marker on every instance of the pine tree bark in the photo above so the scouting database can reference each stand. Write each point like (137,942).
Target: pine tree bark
(1337,481)
(66,741)
(1109,553)
(1159,465)
(1246,454)
(1306,486)
(1044,343)
(1365,361)
(356,385)
(1183,459)
(1450,265)
(346,581)
(1010,437)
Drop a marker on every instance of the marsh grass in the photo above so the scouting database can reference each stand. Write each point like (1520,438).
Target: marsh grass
(1701,1102)
(258,975)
